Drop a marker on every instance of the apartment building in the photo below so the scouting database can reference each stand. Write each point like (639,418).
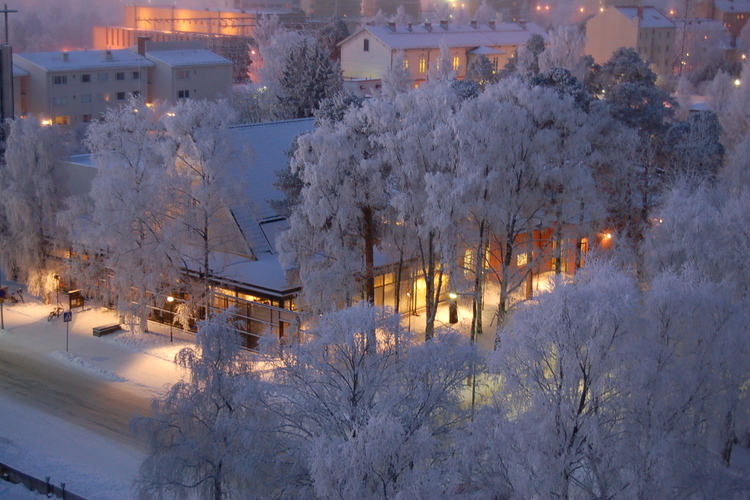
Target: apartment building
(644,29)
(74,87)
(70,88)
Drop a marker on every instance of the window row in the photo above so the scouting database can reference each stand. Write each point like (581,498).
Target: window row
(103,97)
(101,77)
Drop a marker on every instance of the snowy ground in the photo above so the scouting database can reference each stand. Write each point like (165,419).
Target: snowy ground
(49,441)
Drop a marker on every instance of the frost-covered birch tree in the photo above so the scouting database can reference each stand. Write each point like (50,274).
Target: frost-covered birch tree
(373,423)
(30,201)
(123,230)
(335,227)
(209,436)
(202,179)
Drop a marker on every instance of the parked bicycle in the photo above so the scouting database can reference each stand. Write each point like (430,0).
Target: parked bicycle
(55,313)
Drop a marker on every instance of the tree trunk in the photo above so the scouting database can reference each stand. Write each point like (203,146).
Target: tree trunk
(476,306)
(369,255)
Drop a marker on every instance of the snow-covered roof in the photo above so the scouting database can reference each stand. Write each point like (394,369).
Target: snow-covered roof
(268,143)
(187,57)
(733,6)
(79,60)
(652,18)
(455,35)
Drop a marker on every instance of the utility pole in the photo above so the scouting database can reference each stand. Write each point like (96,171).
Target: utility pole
(6,11)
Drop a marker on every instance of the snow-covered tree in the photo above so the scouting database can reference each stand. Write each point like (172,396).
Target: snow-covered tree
(528,55)
(373,421)
(423,157)
(565,51)
(209,436)
(485,13)
(335,227)
(199,152)
(693,148)
(442,69)
(559,409)
(397,78)
(308,76)
(125,224)
(329,36)
(481,71)
(30,201)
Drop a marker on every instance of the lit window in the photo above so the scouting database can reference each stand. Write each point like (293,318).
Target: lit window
(62,120)
(104,97)
(423,65)
(522,259)
(406,64)
(60,80)
(456,63)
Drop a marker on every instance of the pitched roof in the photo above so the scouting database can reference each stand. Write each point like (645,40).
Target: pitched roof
(652,18)
(79,60)
(268,142)
(455,35)
(733,6)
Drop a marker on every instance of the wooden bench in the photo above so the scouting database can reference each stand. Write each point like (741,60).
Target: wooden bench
(106,329)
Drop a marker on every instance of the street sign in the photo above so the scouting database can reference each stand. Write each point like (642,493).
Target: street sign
(68,316)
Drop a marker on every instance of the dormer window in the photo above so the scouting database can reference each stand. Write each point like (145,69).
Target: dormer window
(366,45)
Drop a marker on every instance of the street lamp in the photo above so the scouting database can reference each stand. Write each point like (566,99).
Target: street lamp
(408,297)
(453,308)
(170,300)
(57,292)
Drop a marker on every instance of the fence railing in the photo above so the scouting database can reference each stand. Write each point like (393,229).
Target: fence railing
(43,486)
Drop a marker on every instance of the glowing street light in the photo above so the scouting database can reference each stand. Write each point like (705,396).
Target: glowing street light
(170,300)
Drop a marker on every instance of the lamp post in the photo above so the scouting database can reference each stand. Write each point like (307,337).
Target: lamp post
(170,301)
(453,308)
(408,298)
(57,291)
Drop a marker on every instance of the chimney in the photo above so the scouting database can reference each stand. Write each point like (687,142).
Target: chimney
(444,24)
(473,24)
(492,25)
(142,44)
(106,55)
(65,56)
(428,26)
(408,26)
(392,26)
(640,12)
(522,24)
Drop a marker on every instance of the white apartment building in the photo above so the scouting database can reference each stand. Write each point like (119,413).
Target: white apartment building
(70,88)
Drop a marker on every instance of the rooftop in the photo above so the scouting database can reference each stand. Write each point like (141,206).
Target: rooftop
(78,60)
(651,17)
(455,35)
